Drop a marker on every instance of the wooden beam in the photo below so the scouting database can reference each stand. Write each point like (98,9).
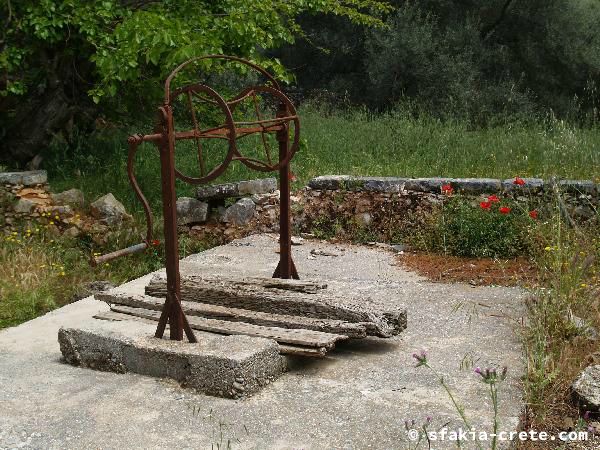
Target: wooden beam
(307,338)
(284,349)
(321,304)
(352,330)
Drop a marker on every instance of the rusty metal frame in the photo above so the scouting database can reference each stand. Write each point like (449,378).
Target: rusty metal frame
(165,138)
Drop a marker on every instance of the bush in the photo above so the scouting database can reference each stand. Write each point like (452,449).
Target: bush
(490,229)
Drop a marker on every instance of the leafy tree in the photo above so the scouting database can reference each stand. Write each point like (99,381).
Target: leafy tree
(481,60)
(63,60)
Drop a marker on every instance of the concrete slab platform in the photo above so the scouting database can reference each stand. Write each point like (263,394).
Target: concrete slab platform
(224,366)
(356,398)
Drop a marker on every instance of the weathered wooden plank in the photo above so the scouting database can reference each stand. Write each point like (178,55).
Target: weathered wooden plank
(308,287)
(322,304)
(302,351)
(352,330)
(284,349)
(306,338)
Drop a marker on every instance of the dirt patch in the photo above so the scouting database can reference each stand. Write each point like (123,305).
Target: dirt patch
(475,271)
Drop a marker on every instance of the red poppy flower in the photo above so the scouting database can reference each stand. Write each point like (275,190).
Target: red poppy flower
(447,189)
(493,199)
(519,181)
(485,205)
(504,210)
(533,214)
(155,242)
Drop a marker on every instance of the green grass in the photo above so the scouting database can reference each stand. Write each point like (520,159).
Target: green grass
(39,272)
(359,143)
(353,142)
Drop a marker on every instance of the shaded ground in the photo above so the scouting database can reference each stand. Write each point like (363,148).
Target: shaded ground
(475,271)
(358,397)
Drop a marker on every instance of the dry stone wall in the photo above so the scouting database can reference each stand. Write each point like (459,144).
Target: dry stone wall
(25,199)
(333,205)
(386,205)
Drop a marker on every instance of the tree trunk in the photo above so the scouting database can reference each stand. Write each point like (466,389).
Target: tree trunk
(34,118)
(34,124)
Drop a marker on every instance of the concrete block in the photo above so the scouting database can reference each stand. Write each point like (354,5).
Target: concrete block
(222,366)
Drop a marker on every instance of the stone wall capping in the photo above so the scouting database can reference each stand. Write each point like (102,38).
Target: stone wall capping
(469,186)
(236,190)
(579,186)
(28,178)
(531,185)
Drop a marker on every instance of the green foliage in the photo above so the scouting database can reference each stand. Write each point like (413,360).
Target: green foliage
(488,62)
(466,229)
(133,45)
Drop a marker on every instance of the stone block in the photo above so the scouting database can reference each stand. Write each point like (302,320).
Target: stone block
(240,213)
(329,182)
(28,178)
(109,210)
(260,186)
(223,366)
(477,185)
(383,184)
(586,389)
(530,185)
(217,191)
(190,210)
(427,184)
(24,206)
(587,187)
(72,197)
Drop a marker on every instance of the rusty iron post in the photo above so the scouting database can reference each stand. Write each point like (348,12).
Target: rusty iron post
(286,268)
(165,138)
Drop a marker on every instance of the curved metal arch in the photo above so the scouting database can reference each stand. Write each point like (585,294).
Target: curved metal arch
(261,166)
(179,68)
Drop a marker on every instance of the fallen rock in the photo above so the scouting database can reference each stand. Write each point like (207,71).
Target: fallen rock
(262,199)
(240,213)
(190,210)
(72,232)
(109,210)
(72,197)
(586,389)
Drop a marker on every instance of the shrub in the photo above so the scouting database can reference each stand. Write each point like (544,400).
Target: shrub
(491,228)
